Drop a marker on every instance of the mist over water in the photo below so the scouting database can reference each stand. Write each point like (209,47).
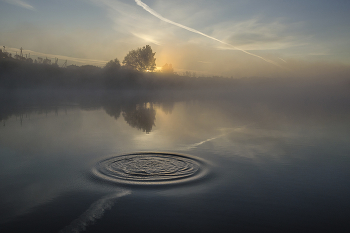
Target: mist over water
(174,116)
(261,156)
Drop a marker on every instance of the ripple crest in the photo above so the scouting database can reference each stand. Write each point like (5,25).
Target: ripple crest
(150,168)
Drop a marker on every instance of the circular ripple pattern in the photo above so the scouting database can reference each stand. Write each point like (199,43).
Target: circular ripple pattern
(150,168)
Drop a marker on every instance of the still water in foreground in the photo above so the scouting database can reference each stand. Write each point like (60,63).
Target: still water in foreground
(180,165)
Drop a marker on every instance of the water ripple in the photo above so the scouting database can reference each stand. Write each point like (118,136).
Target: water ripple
(150,168)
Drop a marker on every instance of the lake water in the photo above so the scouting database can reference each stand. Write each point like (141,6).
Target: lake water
(174,162)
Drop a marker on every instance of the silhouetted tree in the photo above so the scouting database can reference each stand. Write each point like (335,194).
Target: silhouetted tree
(112,65)
(4,55)
(167,69)
(141,59)
(47,61)
(189,74)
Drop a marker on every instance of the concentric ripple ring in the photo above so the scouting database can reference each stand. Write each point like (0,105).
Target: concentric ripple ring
(150,168)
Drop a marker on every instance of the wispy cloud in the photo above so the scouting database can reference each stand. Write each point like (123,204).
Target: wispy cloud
(20,4)
(147,38)
(205,62)
(52,56)
(129,20)
(151,11)
(282,60)
(253,34)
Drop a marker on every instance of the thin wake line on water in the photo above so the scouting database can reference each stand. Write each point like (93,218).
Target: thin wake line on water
(195,145)
(94,212)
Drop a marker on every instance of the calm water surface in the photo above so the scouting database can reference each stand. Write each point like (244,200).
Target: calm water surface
(239,164)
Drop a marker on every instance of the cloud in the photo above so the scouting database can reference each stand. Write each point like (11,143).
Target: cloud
(252,34)
(52,56)
(151,11)
(78,45)
(135,26)
(129,21)
(20,4)
(147,38)
(205,62)
(282,60)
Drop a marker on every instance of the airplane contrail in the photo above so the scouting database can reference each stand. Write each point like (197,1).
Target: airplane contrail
(151,11)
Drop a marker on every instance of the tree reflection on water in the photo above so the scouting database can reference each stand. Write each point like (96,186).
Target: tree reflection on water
(137,111)
(138,116)
(141,118)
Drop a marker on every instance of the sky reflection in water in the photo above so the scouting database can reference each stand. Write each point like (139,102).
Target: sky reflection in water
(276,164)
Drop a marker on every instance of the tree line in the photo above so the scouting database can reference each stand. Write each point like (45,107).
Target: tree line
(136,72)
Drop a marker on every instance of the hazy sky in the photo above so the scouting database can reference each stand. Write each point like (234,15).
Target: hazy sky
(222,37)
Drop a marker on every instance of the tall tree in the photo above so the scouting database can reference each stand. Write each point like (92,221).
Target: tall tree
(141,59)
